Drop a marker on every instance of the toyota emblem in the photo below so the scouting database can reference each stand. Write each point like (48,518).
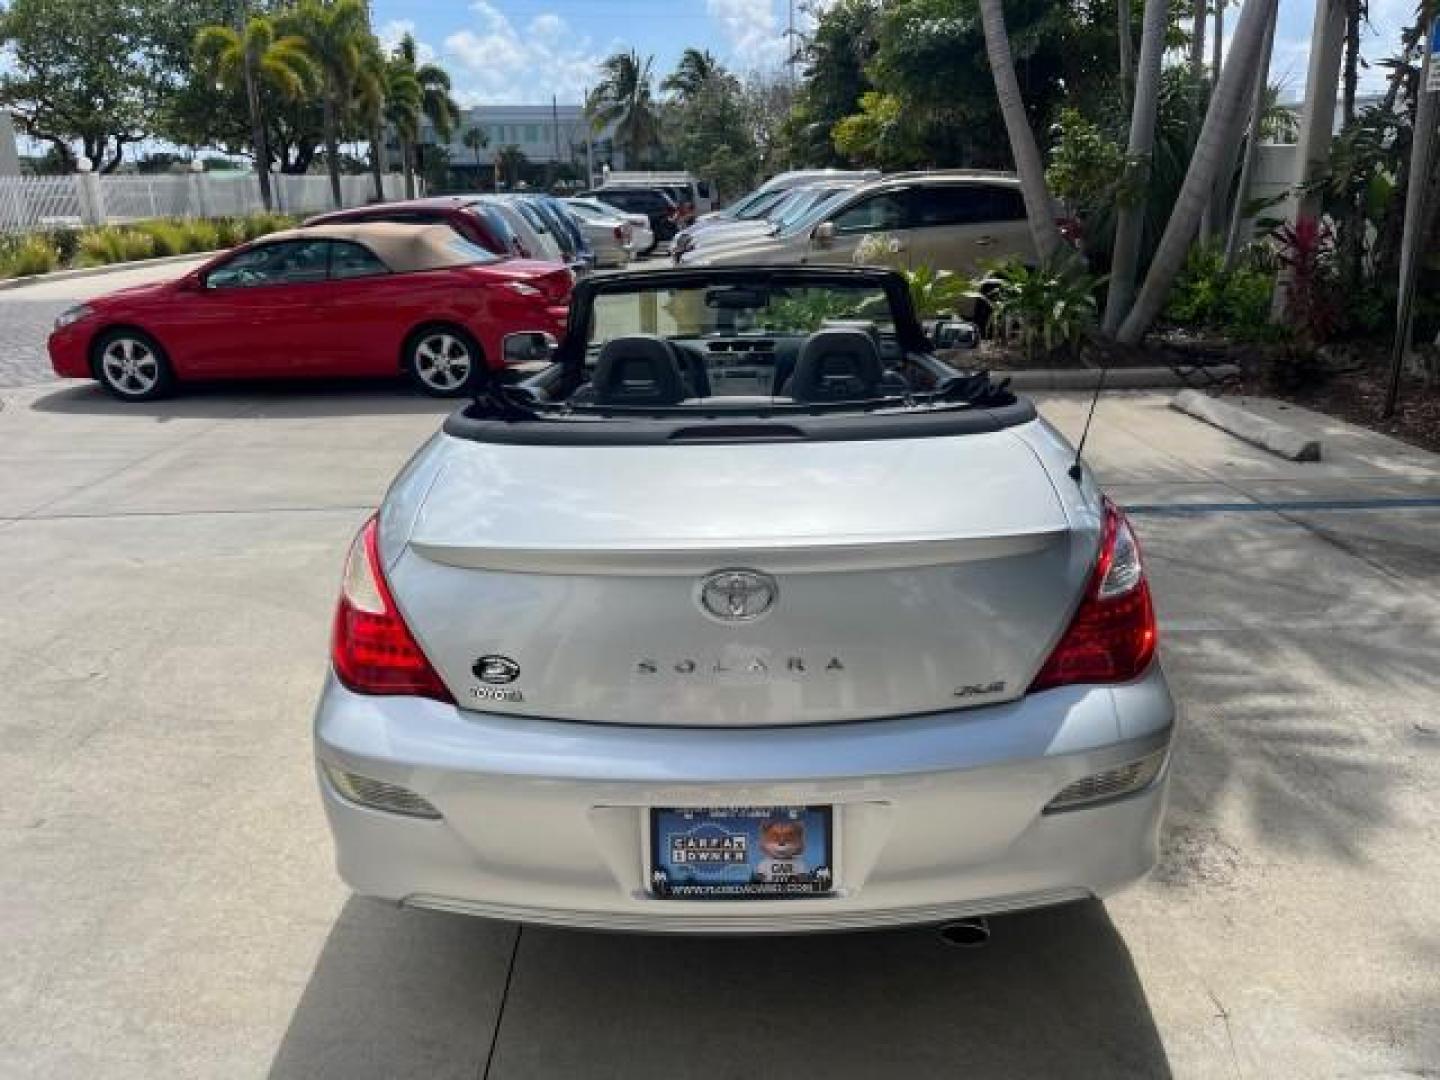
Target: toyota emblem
(737,595)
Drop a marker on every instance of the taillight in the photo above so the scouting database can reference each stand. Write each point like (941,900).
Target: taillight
(372,649)
(1112,636)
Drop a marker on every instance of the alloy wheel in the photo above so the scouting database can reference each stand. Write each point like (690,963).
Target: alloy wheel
(130,366)
(442,361)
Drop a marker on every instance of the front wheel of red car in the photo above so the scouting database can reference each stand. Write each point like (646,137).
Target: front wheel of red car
(132,366)
(445,362)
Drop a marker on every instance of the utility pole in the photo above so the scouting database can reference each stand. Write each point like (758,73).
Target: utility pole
(1421,149)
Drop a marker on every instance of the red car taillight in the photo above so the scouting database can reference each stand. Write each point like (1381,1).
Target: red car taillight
(1112,636)
(372,649)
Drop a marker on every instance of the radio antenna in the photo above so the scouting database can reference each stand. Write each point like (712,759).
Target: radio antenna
(1075,470)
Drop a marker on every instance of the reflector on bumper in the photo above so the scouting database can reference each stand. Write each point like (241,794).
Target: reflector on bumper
(377,794)
(1110,784)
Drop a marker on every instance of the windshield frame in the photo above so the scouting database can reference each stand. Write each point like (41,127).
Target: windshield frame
(574,349)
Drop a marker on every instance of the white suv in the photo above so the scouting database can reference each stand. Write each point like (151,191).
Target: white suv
(944,220)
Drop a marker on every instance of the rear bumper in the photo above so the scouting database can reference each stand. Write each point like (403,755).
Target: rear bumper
(936,816)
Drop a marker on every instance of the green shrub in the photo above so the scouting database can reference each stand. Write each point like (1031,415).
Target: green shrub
(34,254)
(938,293)
(166,237)
(1050,305)
(257,225)
(66,242)
(202,236)
(1234,302)
(228,232)
(102,247)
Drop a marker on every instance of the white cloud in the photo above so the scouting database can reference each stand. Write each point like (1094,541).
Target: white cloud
(496,63)
(753,29)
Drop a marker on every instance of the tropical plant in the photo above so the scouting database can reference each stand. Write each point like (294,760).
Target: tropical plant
(1049,306)
(623,97)
(1218,132)
(1085,166)
(1310,301)
(1043,230)
(249,60)
(938,293)
(28,256)
(696,68)
(475,140)
(1135,179)
(435,104)
(1232,299)
(336,34)
(510,164)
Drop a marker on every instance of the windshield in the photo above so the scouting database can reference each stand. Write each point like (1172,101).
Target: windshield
(721,310)
(760,204)
(796,209)
(816,213)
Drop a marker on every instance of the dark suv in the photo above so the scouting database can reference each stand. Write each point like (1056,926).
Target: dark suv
(659,207)
(470,217)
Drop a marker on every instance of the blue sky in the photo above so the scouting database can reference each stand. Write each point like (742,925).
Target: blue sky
(522,51)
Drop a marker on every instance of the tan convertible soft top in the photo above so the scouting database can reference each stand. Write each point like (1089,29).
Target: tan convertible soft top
(404,248)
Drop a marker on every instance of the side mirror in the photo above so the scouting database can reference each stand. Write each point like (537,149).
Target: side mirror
(824,234)
(528,347)
(955,334)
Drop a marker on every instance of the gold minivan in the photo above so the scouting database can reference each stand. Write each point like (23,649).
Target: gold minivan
(955,221)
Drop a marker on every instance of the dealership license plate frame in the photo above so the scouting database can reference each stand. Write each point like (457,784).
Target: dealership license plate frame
(733,890)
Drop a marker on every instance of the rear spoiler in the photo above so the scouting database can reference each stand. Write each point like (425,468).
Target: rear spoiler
(683,559)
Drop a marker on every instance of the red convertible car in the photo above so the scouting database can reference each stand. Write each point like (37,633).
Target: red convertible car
(327,301)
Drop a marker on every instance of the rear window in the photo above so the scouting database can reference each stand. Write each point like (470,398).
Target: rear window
(472,253)
(965,204)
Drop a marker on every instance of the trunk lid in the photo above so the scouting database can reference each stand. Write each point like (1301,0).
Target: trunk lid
(901,576)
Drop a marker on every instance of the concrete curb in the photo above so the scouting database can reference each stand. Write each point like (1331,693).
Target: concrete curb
(1257,430)
(1134,378)
(97,271)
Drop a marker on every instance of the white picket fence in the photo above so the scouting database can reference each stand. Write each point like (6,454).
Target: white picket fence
(32,203)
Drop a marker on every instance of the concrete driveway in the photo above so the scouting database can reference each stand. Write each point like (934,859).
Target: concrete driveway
(168,906)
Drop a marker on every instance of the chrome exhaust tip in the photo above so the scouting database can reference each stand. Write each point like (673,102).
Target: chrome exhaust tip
(972,933)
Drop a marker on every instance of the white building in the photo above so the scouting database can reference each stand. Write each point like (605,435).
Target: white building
(548,136)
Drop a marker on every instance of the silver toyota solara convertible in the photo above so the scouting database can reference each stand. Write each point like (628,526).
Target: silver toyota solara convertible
(746,614)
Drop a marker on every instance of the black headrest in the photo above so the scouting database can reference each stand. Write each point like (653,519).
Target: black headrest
(837,365)
(638,370)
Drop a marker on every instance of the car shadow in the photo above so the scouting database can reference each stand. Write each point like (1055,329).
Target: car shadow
(400,994)
(299,399)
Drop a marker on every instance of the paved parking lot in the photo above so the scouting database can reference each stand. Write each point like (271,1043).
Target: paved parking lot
(169,908)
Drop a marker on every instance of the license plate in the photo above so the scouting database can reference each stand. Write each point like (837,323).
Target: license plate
(742,852)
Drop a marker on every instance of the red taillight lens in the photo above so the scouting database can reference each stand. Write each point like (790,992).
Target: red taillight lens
(1113,635)
(372,649)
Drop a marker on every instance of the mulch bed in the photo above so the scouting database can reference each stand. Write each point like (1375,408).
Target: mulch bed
(1355,395)
(1358,396)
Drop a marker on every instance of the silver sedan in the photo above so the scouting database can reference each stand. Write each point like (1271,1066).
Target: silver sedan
(746,614)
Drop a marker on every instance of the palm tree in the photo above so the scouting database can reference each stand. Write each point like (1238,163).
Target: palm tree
(435,105)
(509,162)
(249,58)
(386,92)
(1038,206)
(1226,112)
(695,69)
(1264,96)
(623,97)
(337,33)
(475,140)
(1130,225)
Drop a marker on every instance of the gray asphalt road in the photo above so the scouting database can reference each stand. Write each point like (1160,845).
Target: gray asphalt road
(167,901)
